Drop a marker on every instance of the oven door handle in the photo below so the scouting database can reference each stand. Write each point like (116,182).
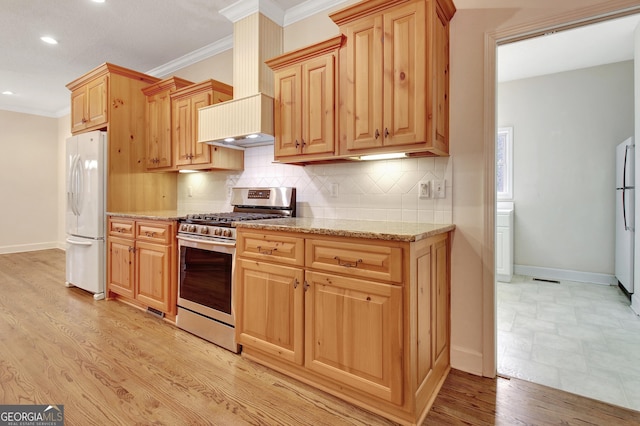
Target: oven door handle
(198,240)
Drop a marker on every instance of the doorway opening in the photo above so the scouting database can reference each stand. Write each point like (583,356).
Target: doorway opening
(578,335)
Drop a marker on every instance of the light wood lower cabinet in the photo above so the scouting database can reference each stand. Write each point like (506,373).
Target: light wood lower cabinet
(141,263)
(366,320)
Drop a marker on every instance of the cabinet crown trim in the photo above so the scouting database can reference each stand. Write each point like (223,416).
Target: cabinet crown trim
(370,7)
(108,68)
(203,87)
(305,53)
(170,83)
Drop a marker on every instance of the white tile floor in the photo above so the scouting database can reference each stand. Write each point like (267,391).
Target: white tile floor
(581,338)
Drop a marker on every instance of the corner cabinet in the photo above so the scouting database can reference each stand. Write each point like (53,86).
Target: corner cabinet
(158,119)
(366,320)
(110,98)
(188,153)
(394,76)
(141,263)
(305,102)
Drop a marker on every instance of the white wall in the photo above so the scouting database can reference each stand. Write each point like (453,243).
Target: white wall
(566,127)
(28,182)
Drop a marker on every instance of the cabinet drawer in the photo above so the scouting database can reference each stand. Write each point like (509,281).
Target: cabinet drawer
(355,259)
(270,247)
(159,232)
(121,227)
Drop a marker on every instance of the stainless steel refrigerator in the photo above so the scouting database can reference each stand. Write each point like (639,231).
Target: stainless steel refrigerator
(625,213)
(85,215)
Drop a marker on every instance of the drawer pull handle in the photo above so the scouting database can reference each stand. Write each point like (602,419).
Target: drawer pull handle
(348,264)
(150,234)
(266,251)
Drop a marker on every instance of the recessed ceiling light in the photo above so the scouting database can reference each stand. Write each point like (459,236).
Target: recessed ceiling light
(49,40)
(98,1)
(7,92)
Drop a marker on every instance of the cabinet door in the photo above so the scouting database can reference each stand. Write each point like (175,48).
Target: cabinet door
(159,152)
(441,297)
(288,112)
(318,111)
(120,266)
(78,101)
(405,94)
(353,333)
(181,116)
(96,112)
(363,83)
(441,68)
(153,275)
(270,317)
(201,151)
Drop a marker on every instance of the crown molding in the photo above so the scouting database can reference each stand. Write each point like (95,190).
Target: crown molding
(193,57)
(243,8)
(307,9)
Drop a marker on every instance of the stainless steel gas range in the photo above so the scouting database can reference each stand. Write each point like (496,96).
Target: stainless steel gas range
(207,244)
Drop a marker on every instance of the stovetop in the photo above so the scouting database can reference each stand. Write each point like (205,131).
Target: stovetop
(222,219)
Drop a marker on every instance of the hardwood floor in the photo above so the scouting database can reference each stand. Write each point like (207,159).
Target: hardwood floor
(109,363)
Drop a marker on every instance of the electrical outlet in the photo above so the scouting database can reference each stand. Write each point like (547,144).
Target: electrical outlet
(438,188)
(333,188)
(424,189)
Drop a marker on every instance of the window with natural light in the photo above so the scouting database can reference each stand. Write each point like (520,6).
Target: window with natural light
(504,163)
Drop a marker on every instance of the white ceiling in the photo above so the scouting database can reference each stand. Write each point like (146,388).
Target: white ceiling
(596,44)
(160,36)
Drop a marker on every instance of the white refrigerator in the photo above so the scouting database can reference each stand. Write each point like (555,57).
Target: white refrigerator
(625,214)
(85,214)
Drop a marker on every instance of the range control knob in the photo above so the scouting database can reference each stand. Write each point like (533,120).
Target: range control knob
(218,231)
(184,227)
(226,233)
(204,230)
(192,228)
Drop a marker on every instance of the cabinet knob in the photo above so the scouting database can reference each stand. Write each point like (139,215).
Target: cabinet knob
(377,134)
(386,132)
(295,283)
(306,285)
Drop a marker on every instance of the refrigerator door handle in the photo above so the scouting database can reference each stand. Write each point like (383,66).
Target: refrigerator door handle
(77,243)
(624,171)
(79,184)
(76,211)
(624,202)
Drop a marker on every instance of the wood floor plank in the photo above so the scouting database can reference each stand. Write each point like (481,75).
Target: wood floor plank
(110,363)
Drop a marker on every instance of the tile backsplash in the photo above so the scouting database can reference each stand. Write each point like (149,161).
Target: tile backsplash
(366,190)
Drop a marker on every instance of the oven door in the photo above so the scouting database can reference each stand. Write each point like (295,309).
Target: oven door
(205,277)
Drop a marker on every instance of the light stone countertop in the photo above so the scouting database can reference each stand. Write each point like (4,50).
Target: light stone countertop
(380,230)
(151,214)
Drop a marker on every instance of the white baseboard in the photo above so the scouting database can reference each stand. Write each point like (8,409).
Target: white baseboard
(29,247)
(565,274)
(466,360)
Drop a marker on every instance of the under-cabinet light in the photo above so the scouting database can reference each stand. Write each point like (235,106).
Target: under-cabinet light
(7,92)
(383,156)
(187,171)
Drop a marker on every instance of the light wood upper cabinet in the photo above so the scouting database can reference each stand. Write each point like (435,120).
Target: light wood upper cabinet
(305,102)
(89,105)
(158,118)
(110,98)
(394,76)
(188,152)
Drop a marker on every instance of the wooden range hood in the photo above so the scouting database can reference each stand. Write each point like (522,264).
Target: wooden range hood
(247,120)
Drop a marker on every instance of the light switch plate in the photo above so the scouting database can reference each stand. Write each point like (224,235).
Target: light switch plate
(438,188)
